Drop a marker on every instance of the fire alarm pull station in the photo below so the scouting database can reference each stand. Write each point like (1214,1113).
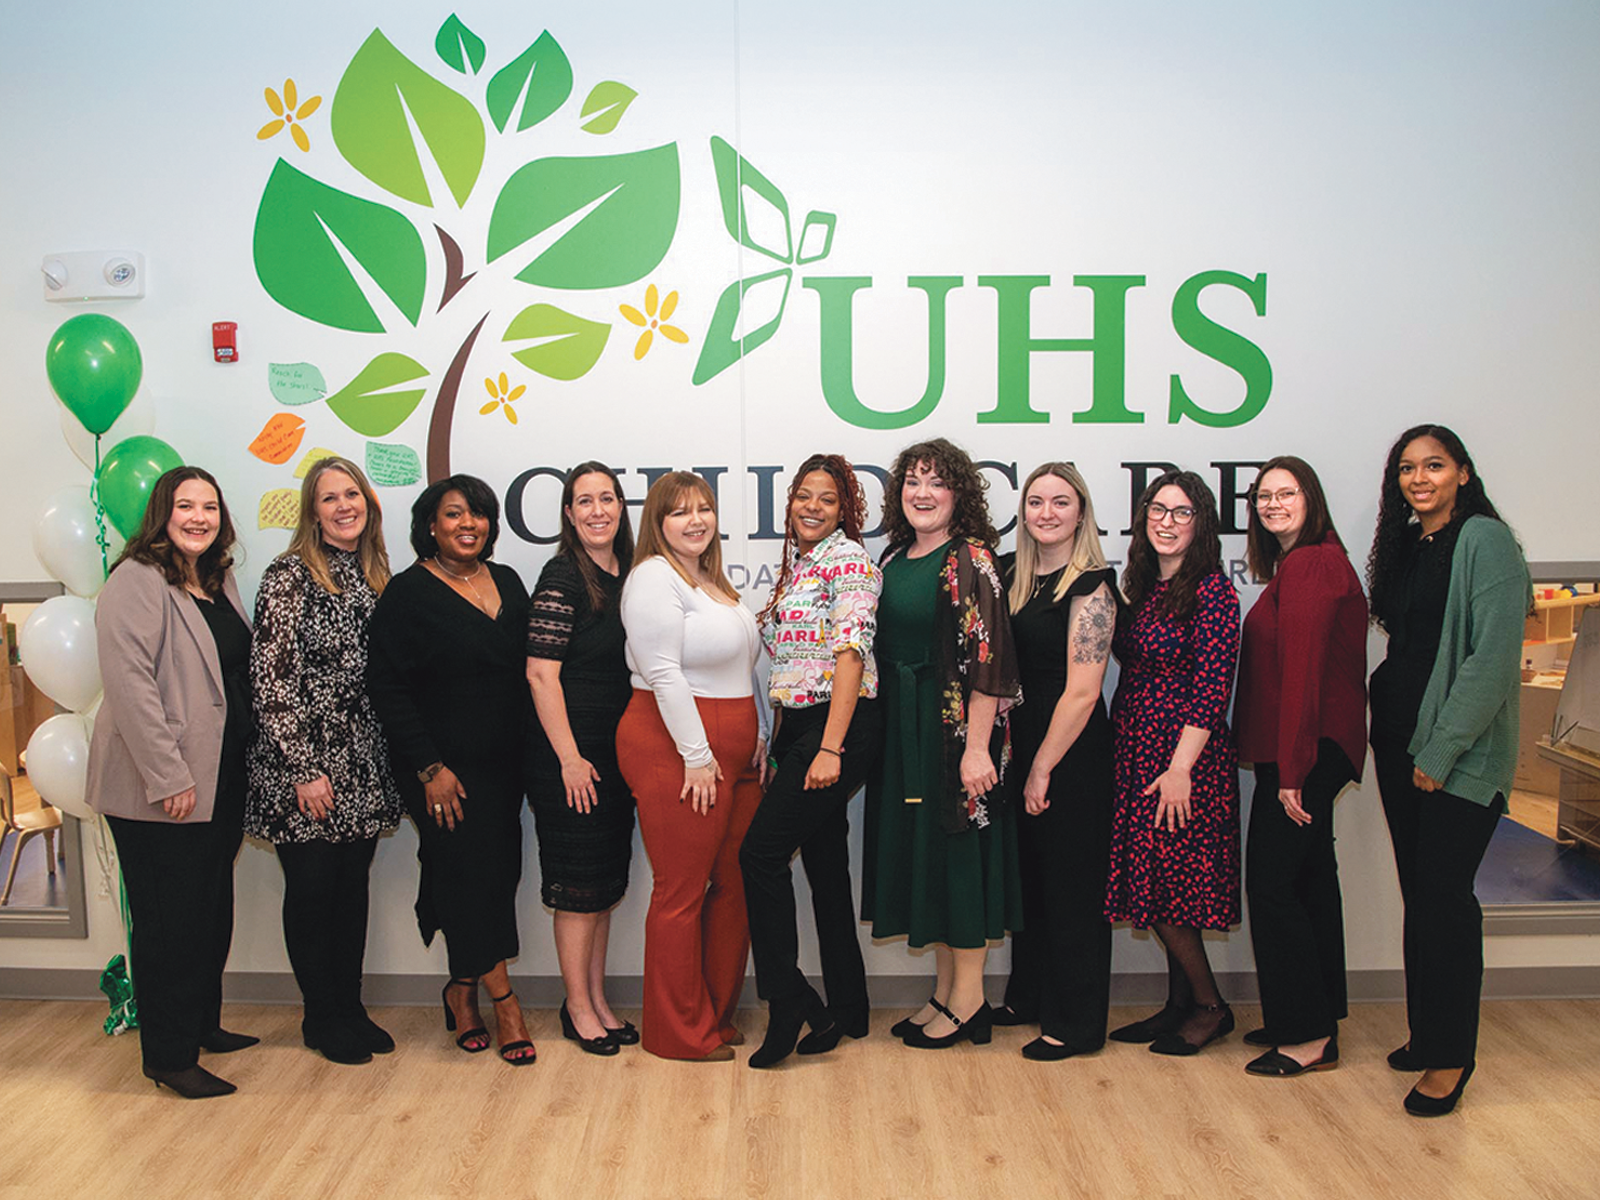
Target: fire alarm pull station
(224,341)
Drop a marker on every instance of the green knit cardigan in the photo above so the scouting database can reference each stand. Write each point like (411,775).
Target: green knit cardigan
(1466,734)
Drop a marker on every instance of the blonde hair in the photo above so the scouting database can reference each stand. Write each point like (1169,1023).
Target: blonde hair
(1086,552)
(306,544)
(666,494)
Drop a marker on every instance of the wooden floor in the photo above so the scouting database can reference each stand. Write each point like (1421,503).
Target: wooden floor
(872,1119)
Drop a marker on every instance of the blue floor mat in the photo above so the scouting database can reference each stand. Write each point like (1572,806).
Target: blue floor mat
(1525,867)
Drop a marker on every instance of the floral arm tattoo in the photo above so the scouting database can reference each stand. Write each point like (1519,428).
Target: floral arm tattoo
(1091,632)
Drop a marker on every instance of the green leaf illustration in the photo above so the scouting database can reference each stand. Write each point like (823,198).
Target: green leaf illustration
(610,99)
(570,345)
(722,349)
(735,176)
(458,45)
(370,411)
(546,75)
(632,203)
(390,465)
(295,383)
(301,268)
(371,130)
(819,225)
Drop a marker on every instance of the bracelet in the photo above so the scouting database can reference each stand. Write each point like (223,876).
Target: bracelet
(835,753)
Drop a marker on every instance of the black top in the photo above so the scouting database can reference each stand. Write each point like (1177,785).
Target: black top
(564,627)
(1041,629)
(232,637)
(1415,626)
(448,683)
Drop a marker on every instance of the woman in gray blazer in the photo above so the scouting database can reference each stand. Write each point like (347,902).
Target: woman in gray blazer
(167,766)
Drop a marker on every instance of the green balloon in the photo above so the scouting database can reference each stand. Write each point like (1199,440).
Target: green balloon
(126,476)
(94,365)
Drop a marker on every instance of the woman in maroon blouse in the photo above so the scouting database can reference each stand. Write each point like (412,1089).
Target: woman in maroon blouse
(1301,719)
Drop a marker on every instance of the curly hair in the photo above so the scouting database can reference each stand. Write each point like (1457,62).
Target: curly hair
(955,467)
(852,515)
(1203,557)
(1262,550)
(153,547)
(1396,529)
(571,546)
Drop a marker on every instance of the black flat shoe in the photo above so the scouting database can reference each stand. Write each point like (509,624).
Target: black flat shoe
(1004,1014)
(823,1038)
(222,1041)
(603,1045)
(904,1028)
(1176,1045)
(1261,1037)
(1419,1105)
(1405,1059)
(1040,1050)
(336,1043)
(977,1029)
(1274,1064)
(372,1035)
(192,1083)
(1161,1024)
(624,1034)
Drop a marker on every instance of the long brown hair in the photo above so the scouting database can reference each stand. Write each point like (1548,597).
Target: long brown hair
(1086,552)
(154,548)
(1262,549)
(571,545)
(852,514)
(666,494)
(307,543)
(952,464)
(1201,559)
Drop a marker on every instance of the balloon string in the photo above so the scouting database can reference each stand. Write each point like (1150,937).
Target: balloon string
(101,539)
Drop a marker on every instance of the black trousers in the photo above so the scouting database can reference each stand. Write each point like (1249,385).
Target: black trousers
(1439,841)
(179,879)
(1296,911)
(325,890)
(816,824)
(1061,957)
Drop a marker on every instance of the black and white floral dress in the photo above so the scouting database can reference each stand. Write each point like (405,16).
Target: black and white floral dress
(313,717)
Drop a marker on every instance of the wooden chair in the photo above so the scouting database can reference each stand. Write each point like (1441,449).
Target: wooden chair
(45,820)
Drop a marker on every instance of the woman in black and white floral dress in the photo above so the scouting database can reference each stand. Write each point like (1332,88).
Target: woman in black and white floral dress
(320,786)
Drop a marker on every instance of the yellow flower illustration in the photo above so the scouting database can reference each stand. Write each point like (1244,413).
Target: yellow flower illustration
(502,396)
(650,321)
(288,111)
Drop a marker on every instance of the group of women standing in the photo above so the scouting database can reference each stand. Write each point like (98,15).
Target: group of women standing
(963,688)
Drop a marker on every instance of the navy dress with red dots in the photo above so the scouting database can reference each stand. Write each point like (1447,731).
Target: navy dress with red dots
(1176,673)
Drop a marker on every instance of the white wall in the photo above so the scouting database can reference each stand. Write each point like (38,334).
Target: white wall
(1418,187)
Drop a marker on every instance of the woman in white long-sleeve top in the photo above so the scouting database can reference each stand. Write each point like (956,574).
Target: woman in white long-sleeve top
(690,747)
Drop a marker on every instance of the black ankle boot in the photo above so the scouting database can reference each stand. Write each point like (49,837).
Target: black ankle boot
(785,1018)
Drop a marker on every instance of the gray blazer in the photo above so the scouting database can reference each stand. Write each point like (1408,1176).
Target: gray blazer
(159,731)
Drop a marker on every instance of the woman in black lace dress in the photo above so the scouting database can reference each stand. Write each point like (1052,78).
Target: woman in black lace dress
(320,787)
(582,807)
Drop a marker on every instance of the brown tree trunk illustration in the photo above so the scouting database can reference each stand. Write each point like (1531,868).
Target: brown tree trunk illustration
(444,408)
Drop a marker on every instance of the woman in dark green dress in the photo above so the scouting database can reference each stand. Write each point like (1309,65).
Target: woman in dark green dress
(940,861)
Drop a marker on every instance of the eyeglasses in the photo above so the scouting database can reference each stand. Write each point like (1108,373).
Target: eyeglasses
(1160,512)
(1283,497)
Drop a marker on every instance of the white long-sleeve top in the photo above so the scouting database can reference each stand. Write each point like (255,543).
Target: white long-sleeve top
(684,643)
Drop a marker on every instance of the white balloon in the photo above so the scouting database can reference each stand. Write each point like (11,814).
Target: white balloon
(65,541)
(139,417)
(58,650)
(58,763)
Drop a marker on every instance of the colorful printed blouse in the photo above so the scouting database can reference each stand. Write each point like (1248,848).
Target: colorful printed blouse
(829,604)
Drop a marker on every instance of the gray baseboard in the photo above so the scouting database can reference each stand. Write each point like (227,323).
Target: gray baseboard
(888,991)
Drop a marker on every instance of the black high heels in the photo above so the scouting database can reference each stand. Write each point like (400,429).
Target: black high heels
(1406,1059)
(511,1052)
(824,1038)
(977,1029)
(192,1083)
(603,1045)
(785,1018)
(473,1041)
(1419,1105)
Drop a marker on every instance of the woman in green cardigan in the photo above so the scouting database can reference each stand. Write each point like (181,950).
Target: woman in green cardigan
(1448,584)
